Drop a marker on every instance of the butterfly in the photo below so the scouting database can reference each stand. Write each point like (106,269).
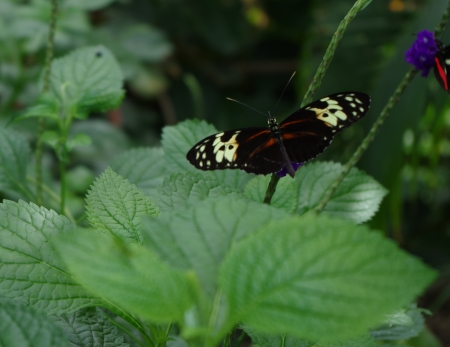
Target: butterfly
(300,137)
(442,65)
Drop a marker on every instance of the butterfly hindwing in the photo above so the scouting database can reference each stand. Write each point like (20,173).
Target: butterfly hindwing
(442,65)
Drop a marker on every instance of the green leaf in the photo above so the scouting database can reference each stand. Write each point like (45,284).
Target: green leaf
(357,198)
(46,106)
(318,279)
(144,167)
(198,237)
(128,275)
(116,206)
(267,340)
(14,156)
(88,5)
(177,141)
(285,197)
(360,341)
(21,326)
(51,138)
(88,77)
(30,271)
(90,327)
(188,188)
(401,325)
(79,139)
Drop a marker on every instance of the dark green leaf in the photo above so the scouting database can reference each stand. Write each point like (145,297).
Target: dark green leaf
(267,340)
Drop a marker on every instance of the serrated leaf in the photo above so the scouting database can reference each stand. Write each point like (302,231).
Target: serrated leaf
(40,110)
(360,341)
(79,139)
(21,326)
(88,77)
(30,271)
(318,279)
(14,156)
(402,325)
(357,198)
(285,197)
(188,188)
(89,327)
(128,275)
(144,167)
(177,141)
(267,340)
(115,206)
(198,237)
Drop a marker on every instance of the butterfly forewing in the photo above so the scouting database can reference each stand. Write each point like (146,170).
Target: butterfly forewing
(442,65)
(304,134)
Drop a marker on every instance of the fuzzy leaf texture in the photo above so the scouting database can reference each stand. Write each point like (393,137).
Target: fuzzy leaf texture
(267,340)
(144,167)
(198,237)
(14,156)
(90,327)
(178,139)
(127,275)
(318,279)
(357,198)
(21,326)
(188,188)
(89,78)
(116,206)
(30,271)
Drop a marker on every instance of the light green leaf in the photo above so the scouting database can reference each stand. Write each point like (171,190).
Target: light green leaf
(79,139)
(51,138)
(21,326)
(115,206)
(90,327)
(30,271)
(44,108)
(128,275)
(285,197)
(144,167)
(188,188)
(199,237)
(177,141)
(402,325)
(14,156)
(361,341)
(357,198)
(88,77)
(318,279)
(267,340)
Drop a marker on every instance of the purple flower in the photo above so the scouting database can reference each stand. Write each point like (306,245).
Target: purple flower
(283,172)
(422,52)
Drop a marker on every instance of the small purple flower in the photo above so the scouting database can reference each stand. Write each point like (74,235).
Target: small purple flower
(283,172)
(422,52)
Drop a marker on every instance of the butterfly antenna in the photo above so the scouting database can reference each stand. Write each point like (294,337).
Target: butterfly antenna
(246,106)
(282,93)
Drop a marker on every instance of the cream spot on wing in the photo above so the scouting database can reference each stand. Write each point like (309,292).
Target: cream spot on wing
(341,115)
(355,113)
(197,155)
(208,163)
(204,155)
(202,148)
(200,164)
(227,149)
(348,98)
(219,156)
(352,104)
(361,109)
(325,99)
(358,101)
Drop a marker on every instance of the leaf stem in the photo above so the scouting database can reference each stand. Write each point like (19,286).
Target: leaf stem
(317,80)
(41,122)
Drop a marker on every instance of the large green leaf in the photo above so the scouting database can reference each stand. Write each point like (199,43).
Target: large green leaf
(177,141)
(116,206)
(318,279)
(128,276)
(30,271)
(21,326)
(200,236)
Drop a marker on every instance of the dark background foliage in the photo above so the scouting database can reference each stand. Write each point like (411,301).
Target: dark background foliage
(182,58)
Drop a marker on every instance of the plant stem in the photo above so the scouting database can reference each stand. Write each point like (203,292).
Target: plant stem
(317,80)
(41,124)
(62,172)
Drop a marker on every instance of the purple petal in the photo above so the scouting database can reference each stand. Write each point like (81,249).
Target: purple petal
(422,52)
(283,172)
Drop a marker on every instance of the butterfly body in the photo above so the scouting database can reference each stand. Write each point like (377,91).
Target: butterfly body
(442,65)
(300,137)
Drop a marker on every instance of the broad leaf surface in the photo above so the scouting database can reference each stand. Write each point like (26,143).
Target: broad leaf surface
(116,206)
(360,341)
(14,157)
(200,236)
(177,141)
(188,188)
(126,275)
(144,167)
(21,326)
(89,77)
(30,270)
(267,340)
(316,278)
(89,327)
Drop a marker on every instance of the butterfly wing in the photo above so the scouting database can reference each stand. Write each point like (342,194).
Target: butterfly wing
(253,150)
(308,131)
(442,65)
